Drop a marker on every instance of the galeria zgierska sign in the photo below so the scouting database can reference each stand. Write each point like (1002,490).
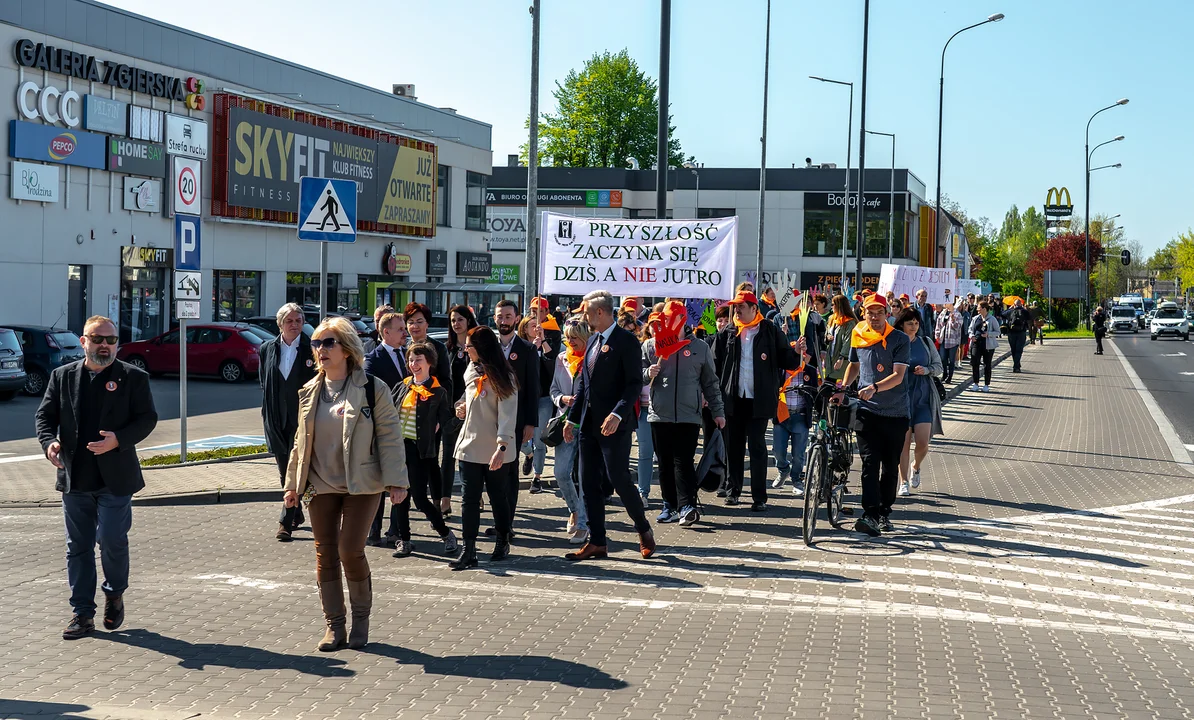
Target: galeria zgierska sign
(86,67)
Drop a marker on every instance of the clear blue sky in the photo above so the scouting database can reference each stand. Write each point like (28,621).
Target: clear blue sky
(1018,92)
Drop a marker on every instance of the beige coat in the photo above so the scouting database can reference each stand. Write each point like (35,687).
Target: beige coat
(374,455)
(487,422)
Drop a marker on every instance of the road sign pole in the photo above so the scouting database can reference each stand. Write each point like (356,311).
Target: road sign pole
(182,388)
(323,281)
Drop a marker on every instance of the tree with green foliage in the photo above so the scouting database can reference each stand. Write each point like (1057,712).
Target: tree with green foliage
(606,114)
(992,269)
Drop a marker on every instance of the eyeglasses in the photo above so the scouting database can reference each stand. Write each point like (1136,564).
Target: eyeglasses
(109,339)
(328,343)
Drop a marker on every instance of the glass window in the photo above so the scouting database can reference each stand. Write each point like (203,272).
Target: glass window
(236,294)
(823,234)
(649,214)
(251,337)
(706,213)
(475,201)
(443,205)
(171,338)
(66,340)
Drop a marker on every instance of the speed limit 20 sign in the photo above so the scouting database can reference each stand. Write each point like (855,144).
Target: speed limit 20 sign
(186,186)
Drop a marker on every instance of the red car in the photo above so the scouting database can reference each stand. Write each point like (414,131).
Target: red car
(226,349)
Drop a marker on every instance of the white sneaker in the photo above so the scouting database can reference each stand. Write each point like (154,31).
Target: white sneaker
(579,536)
(778,482)
(986,388)
(974,386)
(903,489)
(915,479)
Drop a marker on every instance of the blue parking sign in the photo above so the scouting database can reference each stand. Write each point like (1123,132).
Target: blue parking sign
(186,241)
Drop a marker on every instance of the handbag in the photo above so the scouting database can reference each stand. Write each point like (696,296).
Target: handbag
(554,435)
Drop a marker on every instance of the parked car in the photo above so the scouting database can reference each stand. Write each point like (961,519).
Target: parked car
(45,349)
(12,365)
(269,323)
(228,350)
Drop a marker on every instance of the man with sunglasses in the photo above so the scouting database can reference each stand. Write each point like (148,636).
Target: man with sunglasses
(94,413)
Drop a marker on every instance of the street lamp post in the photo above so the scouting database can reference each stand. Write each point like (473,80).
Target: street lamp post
(1088,152)
(941,116)
(759,286)
(891,201)
(846,195)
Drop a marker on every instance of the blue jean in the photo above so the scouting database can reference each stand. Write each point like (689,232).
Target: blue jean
(565,463)
(646,453)
(546,410)
(794,430)
(91,516)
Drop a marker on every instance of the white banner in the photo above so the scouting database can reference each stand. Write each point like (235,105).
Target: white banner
(941,283)
(966,287)
(648,258)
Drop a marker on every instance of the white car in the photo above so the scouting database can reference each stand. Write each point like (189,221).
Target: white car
(1169,320)
(1123,317)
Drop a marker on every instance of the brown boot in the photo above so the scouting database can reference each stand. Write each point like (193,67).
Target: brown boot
(331,596)
(360,597)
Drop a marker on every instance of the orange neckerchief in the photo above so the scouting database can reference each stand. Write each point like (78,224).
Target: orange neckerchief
(573,360)
(781,411)
(417,392)
(481,384)
(747,326)
(550,323)
(865,336)
(836,320)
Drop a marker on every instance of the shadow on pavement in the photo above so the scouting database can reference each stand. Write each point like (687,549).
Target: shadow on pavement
(538,668)
(198,656)
(33,710)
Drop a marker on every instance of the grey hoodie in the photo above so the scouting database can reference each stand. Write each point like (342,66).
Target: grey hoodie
(684,378)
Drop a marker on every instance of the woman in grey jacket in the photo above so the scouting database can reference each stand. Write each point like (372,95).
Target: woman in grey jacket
(567,365)
(678,384)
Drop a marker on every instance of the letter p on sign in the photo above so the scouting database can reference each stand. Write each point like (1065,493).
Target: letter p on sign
(186,242)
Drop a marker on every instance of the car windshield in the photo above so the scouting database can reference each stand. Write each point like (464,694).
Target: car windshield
(8,343)
(1169,314)
(66,340)
(251,337)
(1123,312)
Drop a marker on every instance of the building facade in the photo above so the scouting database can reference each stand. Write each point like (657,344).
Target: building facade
(125,133)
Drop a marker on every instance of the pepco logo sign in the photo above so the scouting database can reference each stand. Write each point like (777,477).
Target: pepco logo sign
(1058,203)
(62,146)
(195,99)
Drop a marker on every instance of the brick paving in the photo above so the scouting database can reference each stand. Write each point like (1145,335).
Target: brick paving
(1034,575)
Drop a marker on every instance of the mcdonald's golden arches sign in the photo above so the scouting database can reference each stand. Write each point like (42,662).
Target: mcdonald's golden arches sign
(1058,203)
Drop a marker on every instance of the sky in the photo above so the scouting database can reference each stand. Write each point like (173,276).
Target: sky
(1018,93)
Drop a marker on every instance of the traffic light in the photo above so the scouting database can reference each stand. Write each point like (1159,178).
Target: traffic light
(1125,257)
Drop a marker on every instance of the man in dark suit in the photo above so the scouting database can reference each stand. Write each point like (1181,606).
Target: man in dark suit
(90,420)
(524,358)
(603,413)
(928,316)
(286,365)
(387,361)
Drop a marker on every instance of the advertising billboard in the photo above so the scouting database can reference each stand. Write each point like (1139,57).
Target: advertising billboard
(136,157)
(32,141)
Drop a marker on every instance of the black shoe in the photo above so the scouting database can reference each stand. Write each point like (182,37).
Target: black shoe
(721,492)
(885,524)
(79,626)
(758,507)
(527,461)
(536,486)
(113,611)
(492,532)
(731,499)
(298,518)
(501,550)
(467,559)
(283,534)
(867,524)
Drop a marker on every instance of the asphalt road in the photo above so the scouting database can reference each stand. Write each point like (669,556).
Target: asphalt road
(1166,367)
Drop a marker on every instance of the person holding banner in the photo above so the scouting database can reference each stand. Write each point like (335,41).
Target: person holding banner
(749,358)
(679,373)
(603,417)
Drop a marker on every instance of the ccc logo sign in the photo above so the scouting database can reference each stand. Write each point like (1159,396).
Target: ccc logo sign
(195,99)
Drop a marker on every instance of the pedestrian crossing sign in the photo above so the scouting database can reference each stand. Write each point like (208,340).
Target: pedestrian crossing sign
(327,210)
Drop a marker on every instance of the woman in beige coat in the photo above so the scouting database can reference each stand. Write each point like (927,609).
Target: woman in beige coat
(348,450)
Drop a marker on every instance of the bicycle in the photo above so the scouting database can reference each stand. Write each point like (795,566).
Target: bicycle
(830,455)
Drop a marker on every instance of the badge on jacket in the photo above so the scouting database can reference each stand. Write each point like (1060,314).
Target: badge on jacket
(310,362)
(111,386)
(879,367)
(687,353)
(605,348)
(365,411)
(513,356)
(763,356)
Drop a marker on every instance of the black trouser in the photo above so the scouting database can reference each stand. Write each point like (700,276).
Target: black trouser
(880,442)
(708,427)
(291,517)
(980,357)
(675,446)
(419,472)
(606,459)
(949,361)
(1099,340)
(1017,339)
(478,476)
(745,431)
(447,466)
(512,480)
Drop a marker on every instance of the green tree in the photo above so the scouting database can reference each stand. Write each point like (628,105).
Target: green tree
(992,269)
(606,113)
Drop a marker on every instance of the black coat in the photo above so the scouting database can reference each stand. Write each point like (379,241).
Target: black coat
(380,364)
(770,343)
(459,361)
(432,413)
(127,410)
(614,385)
(279,395)
(524,358)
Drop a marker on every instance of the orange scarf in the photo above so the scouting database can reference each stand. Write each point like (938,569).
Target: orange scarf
(417,392)
(781,411)
(481,384)
(865,336)
(747,326)
(573,360)
(836,320)
(550,323)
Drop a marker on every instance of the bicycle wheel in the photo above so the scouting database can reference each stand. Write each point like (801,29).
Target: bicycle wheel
(813,480)
(835,496)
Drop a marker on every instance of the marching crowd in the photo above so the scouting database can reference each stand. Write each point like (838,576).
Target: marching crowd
(357,434)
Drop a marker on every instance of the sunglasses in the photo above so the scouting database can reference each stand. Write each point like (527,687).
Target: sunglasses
(328,343)
(109,339)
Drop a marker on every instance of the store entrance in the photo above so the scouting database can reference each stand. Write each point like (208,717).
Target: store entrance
(144,293)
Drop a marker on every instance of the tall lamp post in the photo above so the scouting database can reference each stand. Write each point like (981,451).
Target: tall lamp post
(846,193)
(1086,289)
(759,286)
(891,201)
(941,116)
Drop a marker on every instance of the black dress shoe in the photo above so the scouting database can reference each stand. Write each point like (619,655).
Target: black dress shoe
(467,559)
(113,611)
(501,550)
(732,500)
(79,626)
(758,507)
(721,492)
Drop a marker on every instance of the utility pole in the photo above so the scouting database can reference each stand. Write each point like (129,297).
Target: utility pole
(763,159)
(665,54)
(532,252)
(861,222)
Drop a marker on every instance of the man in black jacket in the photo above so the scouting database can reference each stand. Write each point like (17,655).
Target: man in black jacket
(90,420)
(524,358)
(750,357)
(287,364)
(387,361)
(1016,322)
(547,344)
(603,414)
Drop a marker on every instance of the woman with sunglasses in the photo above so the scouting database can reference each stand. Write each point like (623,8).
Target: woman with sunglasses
(486,447)
(347,451)
(462,319)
